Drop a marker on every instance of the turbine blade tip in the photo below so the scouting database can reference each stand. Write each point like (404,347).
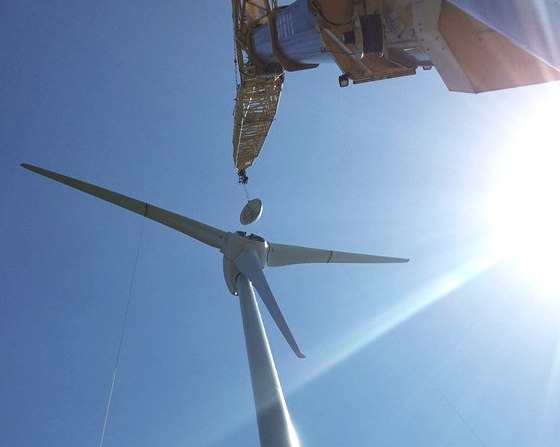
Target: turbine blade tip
(30,167)
(300,355)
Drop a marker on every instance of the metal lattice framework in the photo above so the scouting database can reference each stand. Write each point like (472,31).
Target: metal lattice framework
(255,109)
(259,87)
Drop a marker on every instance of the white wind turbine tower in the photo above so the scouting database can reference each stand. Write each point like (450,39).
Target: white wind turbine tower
(245,256)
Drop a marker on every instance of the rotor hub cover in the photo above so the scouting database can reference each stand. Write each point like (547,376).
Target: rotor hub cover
(251,212)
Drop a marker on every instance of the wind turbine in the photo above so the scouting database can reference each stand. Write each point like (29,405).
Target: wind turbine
(245,257)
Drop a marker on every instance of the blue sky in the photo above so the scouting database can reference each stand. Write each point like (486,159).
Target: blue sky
(460,347)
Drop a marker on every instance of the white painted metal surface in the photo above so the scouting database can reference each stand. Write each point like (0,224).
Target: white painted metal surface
(273,418)
(251,212)
(426,15)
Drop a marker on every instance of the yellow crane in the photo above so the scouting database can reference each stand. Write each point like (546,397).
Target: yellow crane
(259,86)
(474,48)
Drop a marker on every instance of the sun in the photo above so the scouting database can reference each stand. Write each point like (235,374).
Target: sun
(524,205)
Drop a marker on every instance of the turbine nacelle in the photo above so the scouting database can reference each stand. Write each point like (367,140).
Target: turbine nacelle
(234,246)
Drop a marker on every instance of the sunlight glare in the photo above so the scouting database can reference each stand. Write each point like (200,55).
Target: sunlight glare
(293,436)
(418,300)
(525,205)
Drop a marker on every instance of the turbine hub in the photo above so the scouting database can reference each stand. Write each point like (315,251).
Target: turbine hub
(236,244)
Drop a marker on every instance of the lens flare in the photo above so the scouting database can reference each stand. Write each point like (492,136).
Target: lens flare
(416,302)
(524,206)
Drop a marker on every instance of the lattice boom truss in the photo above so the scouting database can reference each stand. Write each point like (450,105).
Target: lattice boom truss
(255,108)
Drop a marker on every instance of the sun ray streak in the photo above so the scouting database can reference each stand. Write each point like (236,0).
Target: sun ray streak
(414,303)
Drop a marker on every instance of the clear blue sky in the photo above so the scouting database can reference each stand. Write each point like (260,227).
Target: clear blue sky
(460,347)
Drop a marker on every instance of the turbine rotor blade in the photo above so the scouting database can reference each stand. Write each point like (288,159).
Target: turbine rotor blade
(248,264)
(197,230)
(280,254)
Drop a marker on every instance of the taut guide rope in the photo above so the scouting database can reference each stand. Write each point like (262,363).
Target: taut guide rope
(123,329)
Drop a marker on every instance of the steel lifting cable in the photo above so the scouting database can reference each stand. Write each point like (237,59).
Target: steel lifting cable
(246,191)
(123,329)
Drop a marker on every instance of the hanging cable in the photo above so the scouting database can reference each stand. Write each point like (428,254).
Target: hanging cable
(244,185)
(123,329)
(441,394)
